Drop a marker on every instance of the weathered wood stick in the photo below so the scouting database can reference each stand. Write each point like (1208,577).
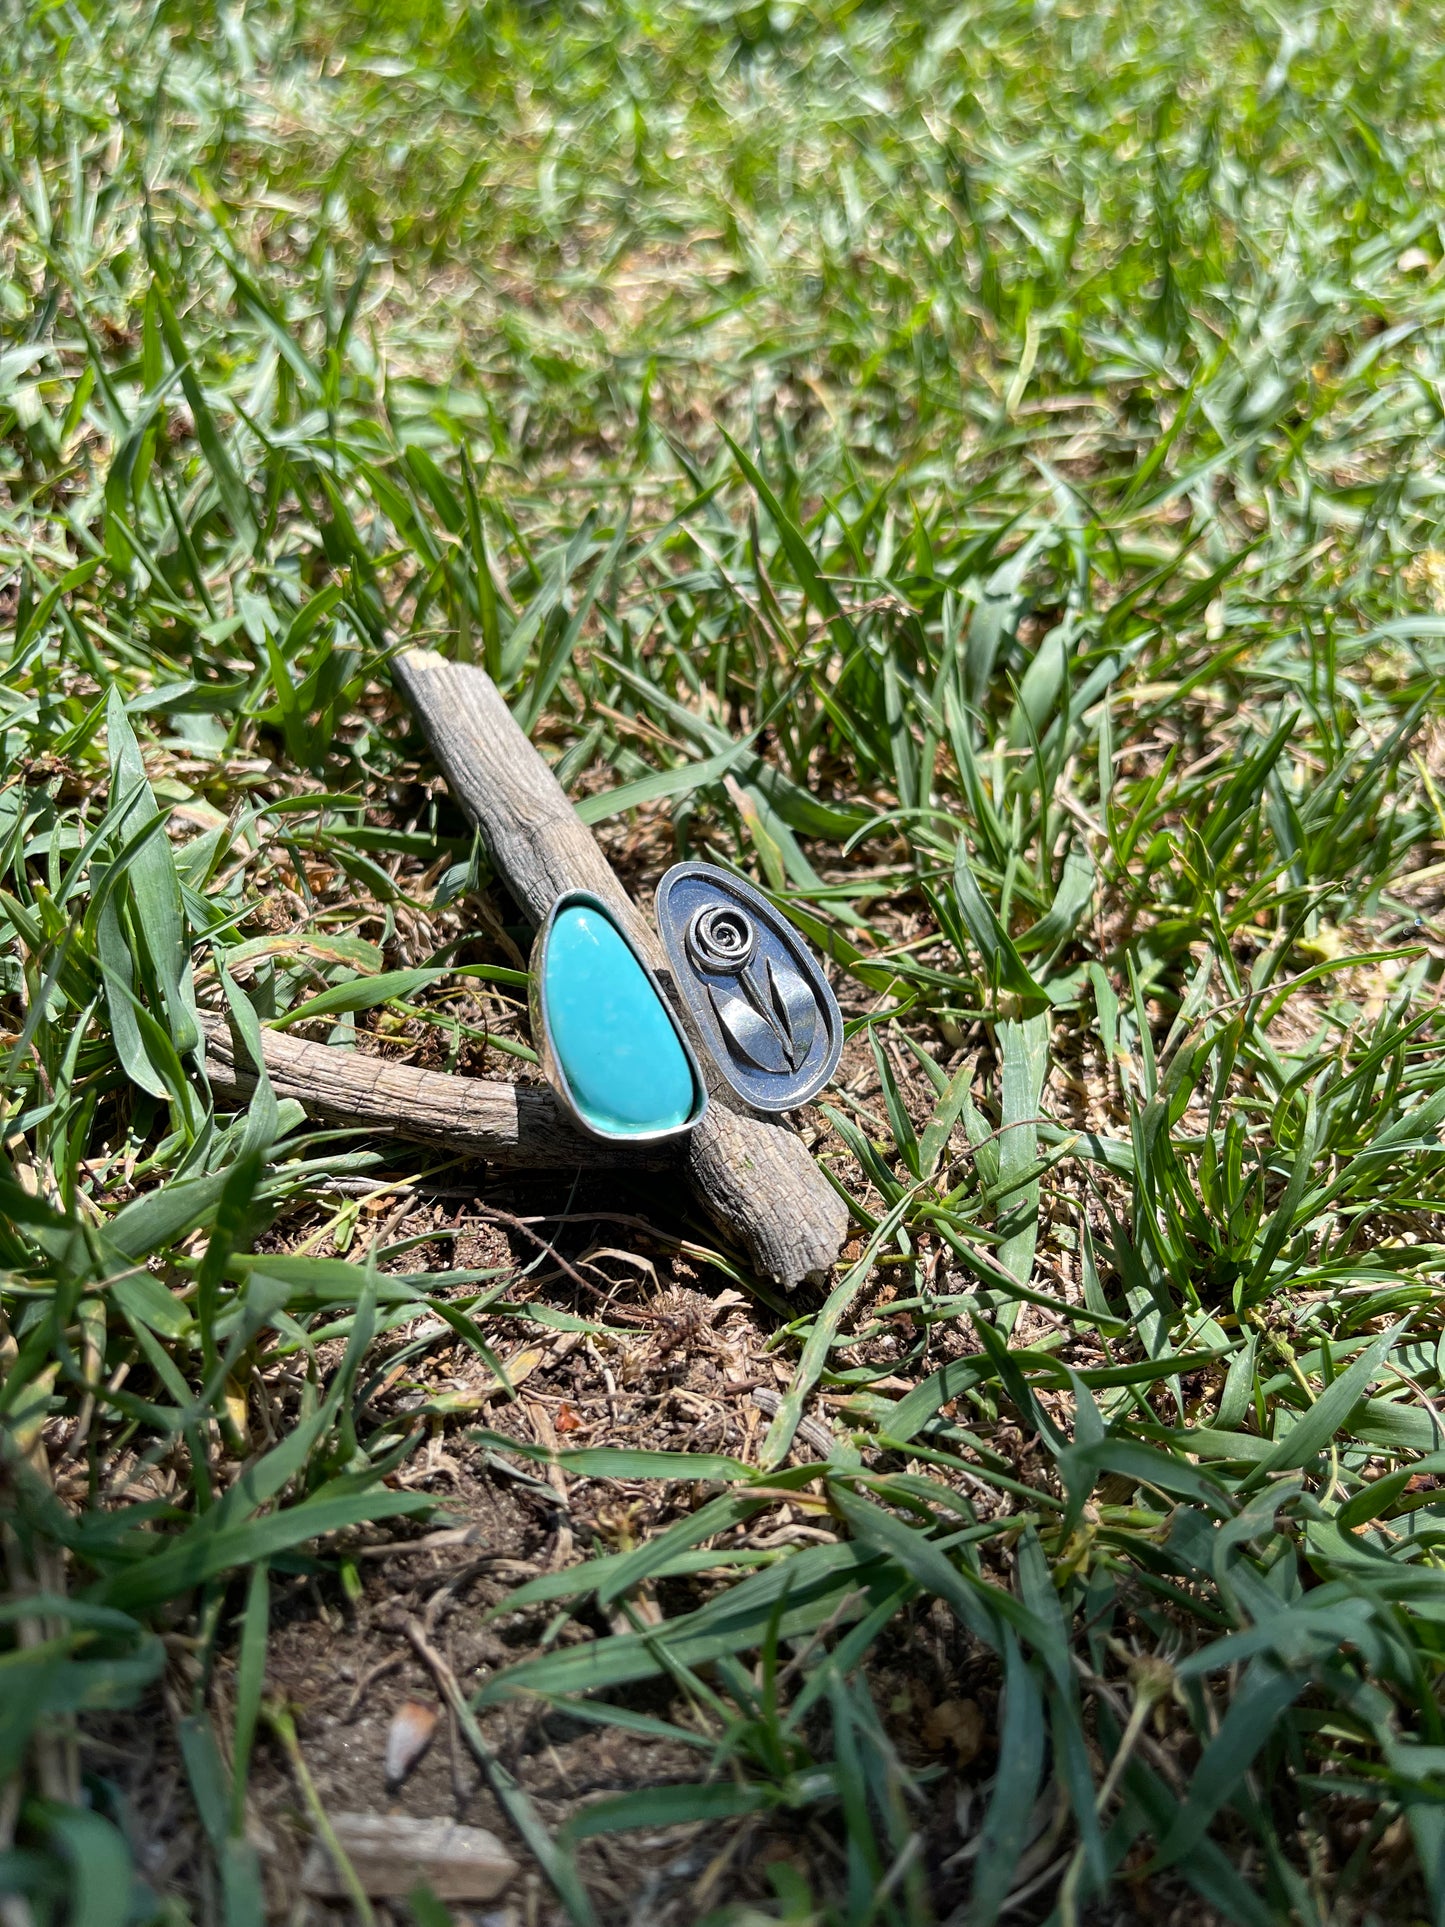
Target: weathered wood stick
(517,1126)
(752,1175)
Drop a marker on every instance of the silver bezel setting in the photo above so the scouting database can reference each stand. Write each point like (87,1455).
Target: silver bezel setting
(542,1029)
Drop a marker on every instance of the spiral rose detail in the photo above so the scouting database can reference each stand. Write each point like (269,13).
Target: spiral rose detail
(721,937)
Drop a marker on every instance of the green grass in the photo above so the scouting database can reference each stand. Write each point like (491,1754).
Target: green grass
(1057,628)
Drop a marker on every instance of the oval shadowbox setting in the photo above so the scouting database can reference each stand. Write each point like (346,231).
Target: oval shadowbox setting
(762,1005)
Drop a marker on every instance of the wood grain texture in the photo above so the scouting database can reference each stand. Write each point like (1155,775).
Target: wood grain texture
(752,1175)
(517,1126)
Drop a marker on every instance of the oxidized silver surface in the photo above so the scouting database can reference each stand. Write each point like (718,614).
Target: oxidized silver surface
(756,992)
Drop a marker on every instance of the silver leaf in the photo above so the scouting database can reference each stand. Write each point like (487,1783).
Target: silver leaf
(796,1009)
(750,1034)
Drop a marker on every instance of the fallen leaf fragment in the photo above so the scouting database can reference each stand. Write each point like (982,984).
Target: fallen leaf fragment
(956,1727)
(236,1406)
(393,1852)
(407,1738)
(520,1365)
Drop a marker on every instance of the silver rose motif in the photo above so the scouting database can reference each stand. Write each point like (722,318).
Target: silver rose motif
(772,1022)
(764,1007)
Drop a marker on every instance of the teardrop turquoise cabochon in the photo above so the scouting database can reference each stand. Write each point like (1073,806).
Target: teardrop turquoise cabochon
(613,1040)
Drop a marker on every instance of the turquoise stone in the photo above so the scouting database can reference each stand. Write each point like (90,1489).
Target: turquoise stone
(614,1042)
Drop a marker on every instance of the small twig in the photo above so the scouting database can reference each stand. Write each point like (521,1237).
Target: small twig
(454,1762)
(514,1798)
(1152,1682)
(1157,1756)
(284,1727)
(384,1231)
(910,1850)
(1021,1896)
(496,1215)
(541,1421)
(852,1598)
(812,1430)
(364,1685)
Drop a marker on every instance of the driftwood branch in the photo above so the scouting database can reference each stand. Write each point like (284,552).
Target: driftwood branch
(752,1175)
(514,1125)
